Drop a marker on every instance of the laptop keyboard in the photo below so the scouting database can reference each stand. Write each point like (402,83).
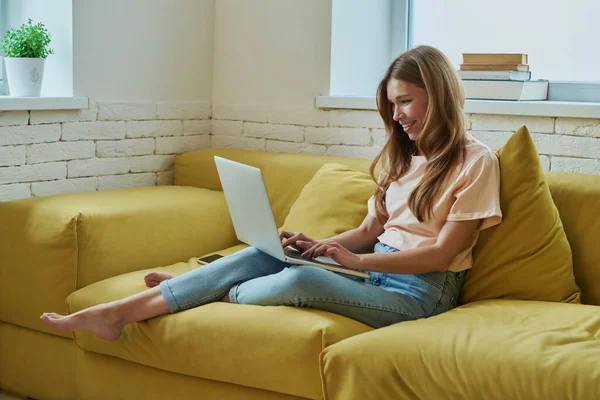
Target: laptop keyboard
(293,253)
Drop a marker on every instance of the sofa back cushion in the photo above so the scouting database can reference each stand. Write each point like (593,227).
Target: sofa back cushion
(577,197)
(527,256)
(285,174)
(333,202)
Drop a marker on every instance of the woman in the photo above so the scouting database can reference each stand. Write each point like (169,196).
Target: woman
(438,187)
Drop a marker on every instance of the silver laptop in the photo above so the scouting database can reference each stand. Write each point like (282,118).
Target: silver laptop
(253,220)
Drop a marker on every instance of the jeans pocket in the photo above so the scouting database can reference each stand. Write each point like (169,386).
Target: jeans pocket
(435,279)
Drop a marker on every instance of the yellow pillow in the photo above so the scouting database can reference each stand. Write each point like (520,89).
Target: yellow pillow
(332,202)
(527,256)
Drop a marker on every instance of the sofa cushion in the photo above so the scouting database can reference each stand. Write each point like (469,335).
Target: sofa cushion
(334,201)
(285,174)
(527,256)
(52,245)
(271,348)
(493,350)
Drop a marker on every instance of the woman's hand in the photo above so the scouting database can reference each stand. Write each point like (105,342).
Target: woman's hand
(331,249)
(290,238)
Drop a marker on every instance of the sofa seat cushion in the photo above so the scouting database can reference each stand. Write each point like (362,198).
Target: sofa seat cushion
(271,348)
(492,349)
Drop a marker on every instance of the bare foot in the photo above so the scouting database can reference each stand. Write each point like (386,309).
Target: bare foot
(100,319)
(155,278)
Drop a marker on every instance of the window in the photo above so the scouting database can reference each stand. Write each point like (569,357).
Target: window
(57,16)
(366,35)
(559,36)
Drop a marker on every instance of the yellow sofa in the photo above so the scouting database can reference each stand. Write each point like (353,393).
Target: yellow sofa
(89,248)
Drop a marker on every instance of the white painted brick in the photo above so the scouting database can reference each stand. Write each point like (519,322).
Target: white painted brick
(101,130)
(237,142)
(64,186)
(487,122)
(60,151)
(494,139)
(468,122)
(581,165)
(348,136)
(177,145)
(14,118)
(12,155)
(196,128)
(165,178)
(379,137)
(15,192)
(562,145)
(353,151)
(297,115)
(227,128)
(290,133)
(98,166)
(33,173)
(355,119)
(137,129)
(151,163)
(125,148)
(241,112)
(29,134)
(578,126)
(117,111)
(184,110)
(299,148)
(52,116)
(545,162)
(126,181)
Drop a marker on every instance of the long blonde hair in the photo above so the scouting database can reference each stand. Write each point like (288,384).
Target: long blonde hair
(442,138)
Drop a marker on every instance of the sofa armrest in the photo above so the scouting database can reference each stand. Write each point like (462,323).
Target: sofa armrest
(52,246)
(492,349)
(147,229)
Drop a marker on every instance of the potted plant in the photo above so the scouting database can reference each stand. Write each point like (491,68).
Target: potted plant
(25,51)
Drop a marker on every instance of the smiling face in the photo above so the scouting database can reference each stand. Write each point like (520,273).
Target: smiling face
(409,104)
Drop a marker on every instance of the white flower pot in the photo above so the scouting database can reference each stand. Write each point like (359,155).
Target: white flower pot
(24,76)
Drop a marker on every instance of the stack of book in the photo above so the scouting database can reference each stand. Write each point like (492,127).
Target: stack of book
(490,76)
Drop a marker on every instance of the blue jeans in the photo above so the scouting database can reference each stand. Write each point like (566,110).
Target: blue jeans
(253,277)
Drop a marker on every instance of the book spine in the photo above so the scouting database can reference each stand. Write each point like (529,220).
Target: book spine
(491,58)
(497,67)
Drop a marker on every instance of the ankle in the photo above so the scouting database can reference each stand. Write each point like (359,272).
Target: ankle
(114,313)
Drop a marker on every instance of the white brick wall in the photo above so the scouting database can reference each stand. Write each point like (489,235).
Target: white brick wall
(108,146)
(564,144)
(115,145)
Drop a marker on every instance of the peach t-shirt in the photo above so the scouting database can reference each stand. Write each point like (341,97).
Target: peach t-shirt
(472,192)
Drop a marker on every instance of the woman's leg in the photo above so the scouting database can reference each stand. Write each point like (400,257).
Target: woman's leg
(313,287)
(107,320)
(213,281)
(200,286)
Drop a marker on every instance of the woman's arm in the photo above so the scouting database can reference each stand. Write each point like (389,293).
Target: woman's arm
(361,239)
(358,240)
(454,237)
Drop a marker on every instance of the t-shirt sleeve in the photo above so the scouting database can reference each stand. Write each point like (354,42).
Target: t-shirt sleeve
(477,195)
(371,207)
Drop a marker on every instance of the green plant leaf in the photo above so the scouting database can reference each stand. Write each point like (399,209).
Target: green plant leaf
(28,41)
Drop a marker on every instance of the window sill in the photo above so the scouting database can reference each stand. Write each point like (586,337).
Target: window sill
(537,108)
(8,103)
